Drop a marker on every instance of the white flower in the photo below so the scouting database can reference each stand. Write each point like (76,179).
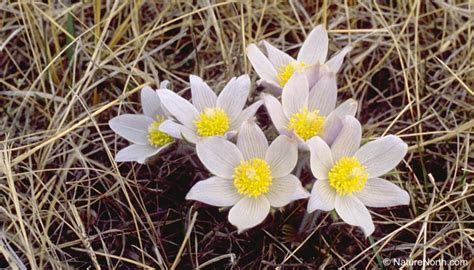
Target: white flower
(209,114)
(142,129)
(307,114)
(277,67)
(250,176)
(348,175)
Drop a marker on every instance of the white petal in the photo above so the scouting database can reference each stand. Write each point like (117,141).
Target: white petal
(282,156)
(302,145)
(323,197)
(271,87)
(321,157)
(283,189)
(295,94)
(215,191)
(313,75)
(335,62)
(379,192)
(151,104)
(348,107)
(202,94)
(323,95)
(348,140)
(133,127)
(354,213)
(164,84)
(261,64)
(252,141)
(233,97)
(315,47)
(219,156)
(163,110)
(276,56)
(333,123)
(300,193)
(178,131)
(291,134)
(332,127)
(137,152)
(229,135)
(249,212)
(382,155)
(275,111)
(246,114)
(179,107)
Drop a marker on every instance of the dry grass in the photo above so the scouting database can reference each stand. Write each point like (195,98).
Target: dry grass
(65,69)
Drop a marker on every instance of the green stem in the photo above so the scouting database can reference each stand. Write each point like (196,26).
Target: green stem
(374,248)
(70,30)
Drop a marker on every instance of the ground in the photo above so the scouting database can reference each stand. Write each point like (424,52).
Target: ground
(67,68)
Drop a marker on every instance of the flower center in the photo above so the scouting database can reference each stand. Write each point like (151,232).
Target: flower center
(347,176)
(156,137)
(285,72)
(253,177)
(307,124)
(212,122)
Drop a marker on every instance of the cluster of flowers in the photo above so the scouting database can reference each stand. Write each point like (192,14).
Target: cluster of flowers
(249,174)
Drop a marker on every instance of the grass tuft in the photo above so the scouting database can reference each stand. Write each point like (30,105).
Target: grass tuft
(67,68)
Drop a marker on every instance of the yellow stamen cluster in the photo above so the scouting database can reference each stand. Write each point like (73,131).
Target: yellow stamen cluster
(156,137)
(307,124)
(347,176)
(285,72)
(253,177)
(212,122)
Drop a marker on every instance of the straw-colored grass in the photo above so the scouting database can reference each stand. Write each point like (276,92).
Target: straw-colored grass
(67,68)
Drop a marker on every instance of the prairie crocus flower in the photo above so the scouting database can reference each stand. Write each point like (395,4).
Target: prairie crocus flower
(306,113)
(208,115)
(250,176)
(348,175)
(143,130)
(276,68)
